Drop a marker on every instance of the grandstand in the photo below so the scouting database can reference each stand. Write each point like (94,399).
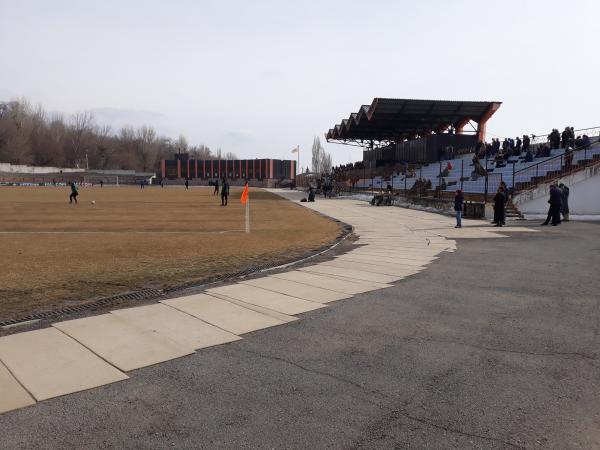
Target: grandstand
(407,143)
(517,173)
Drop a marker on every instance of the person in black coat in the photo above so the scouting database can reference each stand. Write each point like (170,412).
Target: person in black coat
(224,192)
(555,203)
(499,202)
(459,200)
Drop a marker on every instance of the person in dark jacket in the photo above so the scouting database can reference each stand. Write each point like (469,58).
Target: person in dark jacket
(216,191)
(564,201)
(526,142)
(459,200)
(554,209)
(74,193)
(499,202)
(224,192)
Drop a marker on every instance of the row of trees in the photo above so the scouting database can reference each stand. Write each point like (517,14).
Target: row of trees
(321,160)
(29,135)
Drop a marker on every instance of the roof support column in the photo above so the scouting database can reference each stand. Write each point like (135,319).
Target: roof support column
(481,125)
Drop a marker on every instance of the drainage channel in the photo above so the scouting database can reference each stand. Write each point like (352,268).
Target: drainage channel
(155,294)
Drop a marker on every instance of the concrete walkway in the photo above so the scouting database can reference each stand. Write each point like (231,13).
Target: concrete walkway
(80,354)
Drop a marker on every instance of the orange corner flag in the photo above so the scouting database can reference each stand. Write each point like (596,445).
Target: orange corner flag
(244,198)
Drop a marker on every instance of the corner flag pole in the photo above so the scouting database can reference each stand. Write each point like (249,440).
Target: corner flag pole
(246,201)
(248,216)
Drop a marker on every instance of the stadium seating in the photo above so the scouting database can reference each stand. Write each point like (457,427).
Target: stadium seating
(477,184)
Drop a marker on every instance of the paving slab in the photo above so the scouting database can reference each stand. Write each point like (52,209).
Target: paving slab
(49,363)
(121,344)
(12,394)
(353,274)
(385,260)
(176,325)
(276,301)
(223,314)
(389,269)
(400,264)
(304,291)
(285,318)
(330,282)
(398,257)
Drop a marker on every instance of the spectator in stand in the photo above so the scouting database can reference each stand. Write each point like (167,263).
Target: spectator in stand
(544,151)
(518,143)
(578,142)
(565,137)
(505,145)
(571,136)
(459,200)
(499,160)
(568,158)
(446,171)
(499,202)
(554,139)
(555,203)
(526,142)
(564,201)
(585,141)
(489,149)
(528,156)
(496,146)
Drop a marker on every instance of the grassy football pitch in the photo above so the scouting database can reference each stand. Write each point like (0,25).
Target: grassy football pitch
(55,253)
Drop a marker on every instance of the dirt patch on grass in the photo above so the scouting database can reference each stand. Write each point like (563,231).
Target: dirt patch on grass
(57,254)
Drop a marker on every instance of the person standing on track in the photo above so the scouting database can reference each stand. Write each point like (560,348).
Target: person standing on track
(224,192)
(216,191)
(74,193)
(555,204)
(187,184)
(459,199)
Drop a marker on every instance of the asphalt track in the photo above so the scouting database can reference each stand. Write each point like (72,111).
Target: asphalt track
(493,346)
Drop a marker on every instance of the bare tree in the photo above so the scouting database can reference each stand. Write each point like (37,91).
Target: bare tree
(325,162)
(82,125)
(146,145)
(316,155)
(230,155)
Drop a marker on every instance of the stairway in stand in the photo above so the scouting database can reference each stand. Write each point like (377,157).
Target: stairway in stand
(512,212)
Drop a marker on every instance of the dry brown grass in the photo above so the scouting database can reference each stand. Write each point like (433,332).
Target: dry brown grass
(55,253)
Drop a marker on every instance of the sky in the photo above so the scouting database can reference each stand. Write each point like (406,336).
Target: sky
(258,78)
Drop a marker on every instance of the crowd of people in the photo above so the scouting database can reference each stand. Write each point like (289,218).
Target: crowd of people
(520,147)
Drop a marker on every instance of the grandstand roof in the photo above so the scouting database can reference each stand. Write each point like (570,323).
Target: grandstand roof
(393,120)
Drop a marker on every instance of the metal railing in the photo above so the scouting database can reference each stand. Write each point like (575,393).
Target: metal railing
(555,167)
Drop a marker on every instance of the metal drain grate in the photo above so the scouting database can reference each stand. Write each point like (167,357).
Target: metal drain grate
(144,294)
(149,294)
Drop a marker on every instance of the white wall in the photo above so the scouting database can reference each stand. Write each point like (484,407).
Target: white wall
(13,168)
(584,197)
